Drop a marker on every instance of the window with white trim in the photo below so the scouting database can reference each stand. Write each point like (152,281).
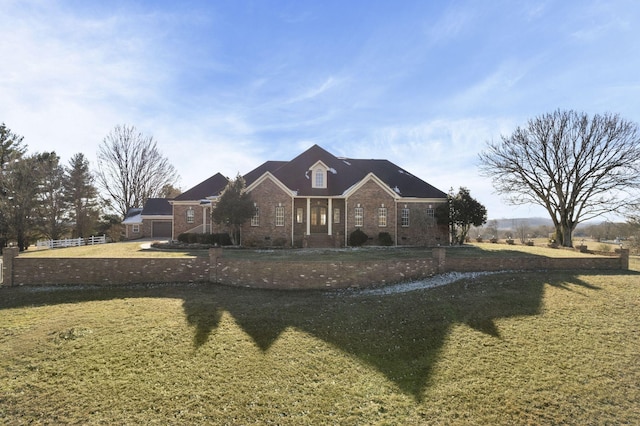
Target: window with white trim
(382,217)
(191,215)
(404,218)
(135,229)
(359,214)
(255,219)
(336,215)
(279,215)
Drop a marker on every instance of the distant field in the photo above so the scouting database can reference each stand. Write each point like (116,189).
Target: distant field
(526,348)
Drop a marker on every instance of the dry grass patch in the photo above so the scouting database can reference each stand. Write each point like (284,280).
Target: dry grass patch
(112,250)
(557,348)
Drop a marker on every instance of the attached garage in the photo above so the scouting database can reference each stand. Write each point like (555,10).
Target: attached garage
(161,229)
(157,218)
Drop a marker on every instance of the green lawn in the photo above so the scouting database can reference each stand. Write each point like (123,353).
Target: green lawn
(555,348)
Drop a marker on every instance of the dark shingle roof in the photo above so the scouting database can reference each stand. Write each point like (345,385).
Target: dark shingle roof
(157,207)
(343,174)
(208,188)
(269,166)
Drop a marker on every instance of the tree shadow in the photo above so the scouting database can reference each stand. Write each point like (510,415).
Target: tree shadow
(400,335)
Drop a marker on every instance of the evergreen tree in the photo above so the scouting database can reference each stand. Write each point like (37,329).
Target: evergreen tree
(81,195)
(234,208)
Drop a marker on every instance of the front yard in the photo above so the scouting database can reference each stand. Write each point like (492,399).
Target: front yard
(509,348)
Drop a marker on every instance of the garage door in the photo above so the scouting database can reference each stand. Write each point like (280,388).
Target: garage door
(161,229)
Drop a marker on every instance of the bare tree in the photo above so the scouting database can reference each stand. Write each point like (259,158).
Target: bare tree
(574,166)
(131,169)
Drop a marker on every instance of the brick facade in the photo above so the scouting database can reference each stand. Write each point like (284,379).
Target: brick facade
(273,274)
(267,197)
(181,224)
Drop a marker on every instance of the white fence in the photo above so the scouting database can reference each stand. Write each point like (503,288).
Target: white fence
(71,242)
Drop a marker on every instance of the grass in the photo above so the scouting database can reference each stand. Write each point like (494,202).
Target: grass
(113,250)
(141,249)
(555,348)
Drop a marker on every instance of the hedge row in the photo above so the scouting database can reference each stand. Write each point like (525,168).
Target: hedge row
(210,239)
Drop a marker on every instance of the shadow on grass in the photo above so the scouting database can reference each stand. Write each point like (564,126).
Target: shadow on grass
(400,335)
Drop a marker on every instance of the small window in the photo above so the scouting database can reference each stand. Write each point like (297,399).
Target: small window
(191,216)
(382,217)
(280,216)
(404,218)
(255,219)
(336,215)
(299,215)
(135,229)
(359,213)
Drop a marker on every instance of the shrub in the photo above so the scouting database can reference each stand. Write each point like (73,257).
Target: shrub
(221,239)
(357,238)
(384,239)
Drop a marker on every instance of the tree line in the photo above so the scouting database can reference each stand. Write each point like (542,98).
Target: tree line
(42,198)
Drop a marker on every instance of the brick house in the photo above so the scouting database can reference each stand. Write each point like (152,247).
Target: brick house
(191,210)
(318,199)
(314,200)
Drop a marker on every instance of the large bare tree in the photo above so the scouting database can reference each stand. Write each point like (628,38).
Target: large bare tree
(575,166)
(131,169)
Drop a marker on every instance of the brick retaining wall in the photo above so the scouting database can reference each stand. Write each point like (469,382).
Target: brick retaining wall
(32,271)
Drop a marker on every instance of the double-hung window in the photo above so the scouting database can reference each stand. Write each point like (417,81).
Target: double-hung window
(191,215)
(279,215)
(382,217)
(255,219)
(404,218)
(431,217)
(359,214)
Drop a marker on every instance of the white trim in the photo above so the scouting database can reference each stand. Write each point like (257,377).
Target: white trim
(268,175)
(329,217)
(366,179)
(157,217)
(308,216)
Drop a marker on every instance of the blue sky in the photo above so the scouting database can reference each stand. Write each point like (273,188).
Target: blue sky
(226,85)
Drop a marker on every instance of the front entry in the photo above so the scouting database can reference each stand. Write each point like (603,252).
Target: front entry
(318,223)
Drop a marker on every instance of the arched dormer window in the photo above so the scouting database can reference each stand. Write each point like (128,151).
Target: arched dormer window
(318,175)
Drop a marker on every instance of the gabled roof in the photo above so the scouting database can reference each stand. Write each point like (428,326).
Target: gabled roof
(157,207)
(209,188)
(342,174)
(269,166)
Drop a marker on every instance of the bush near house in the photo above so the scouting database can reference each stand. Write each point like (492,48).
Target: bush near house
(384,239)
(357,238)
(221,239)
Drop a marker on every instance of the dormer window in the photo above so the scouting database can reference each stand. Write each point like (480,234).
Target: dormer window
(319,175)
(319,182)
